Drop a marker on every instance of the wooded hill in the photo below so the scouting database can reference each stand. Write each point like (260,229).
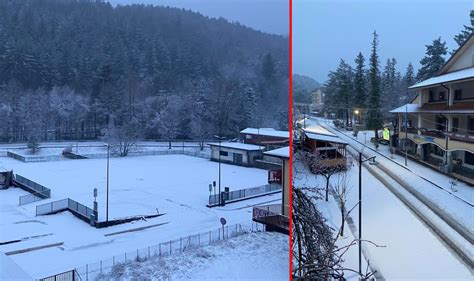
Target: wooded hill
(73,69)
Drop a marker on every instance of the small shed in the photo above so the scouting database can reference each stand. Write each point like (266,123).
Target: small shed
(236,153)
(329,146)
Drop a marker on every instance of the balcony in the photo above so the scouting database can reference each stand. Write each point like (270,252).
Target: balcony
(271,216)
(458,136)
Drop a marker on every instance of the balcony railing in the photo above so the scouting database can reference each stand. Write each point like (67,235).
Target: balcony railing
(459,136)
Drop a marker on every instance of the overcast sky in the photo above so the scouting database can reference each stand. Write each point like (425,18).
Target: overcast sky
(325,31)
(266,15)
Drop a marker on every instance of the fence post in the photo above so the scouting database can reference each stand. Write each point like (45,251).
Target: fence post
(199,239)
(87,272)
(125,256)
(137,255)
(160,250)
(170,247)
(181,244)
(209,237)
(113,260)
(148,252)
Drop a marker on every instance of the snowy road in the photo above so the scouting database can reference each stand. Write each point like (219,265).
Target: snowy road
(412,251)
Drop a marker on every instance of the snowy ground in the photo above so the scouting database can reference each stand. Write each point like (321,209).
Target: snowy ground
(57,148)
(175,185)
(458,210)
(254,256)
(411,252)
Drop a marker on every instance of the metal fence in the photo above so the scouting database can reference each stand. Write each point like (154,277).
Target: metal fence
(246,193)
(38,192)
(106,268)
(65,276)
(75,207)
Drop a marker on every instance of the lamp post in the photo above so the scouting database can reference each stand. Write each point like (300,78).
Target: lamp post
(356,112)
(360,205)
(107,192)
(220,141)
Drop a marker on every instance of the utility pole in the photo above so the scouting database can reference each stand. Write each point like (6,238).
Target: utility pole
(406,134)
(220,143)
(360,213)
(107,201)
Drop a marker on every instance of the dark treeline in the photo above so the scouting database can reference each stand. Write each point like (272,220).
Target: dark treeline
(368,90)
(75,69)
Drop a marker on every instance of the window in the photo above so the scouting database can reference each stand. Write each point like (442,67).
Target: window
(458,94)
(442,96)
(470,126)
(224,153)
(238,158)
(469,158)
(455,124)
(440,123)
(431,98)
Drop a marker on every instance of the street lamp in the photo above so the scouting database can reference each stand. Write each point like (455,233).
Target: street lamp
(356,112)
(373,162)
(107,201)
(220,141)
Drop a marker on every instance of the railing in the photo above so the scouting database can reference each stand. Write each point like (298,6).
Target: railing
(81,211)
(271,215)
(266,210)
(70,275)
(440,134)
(246,193)
(108,268)
(38,192)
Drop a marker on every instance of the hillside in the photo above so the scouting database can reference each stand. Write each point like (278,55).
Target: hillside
(101,66)
(303,86)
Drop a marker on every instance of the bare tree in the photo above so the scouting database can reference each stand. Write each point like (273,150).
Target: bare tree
(341,189)
(321,164)
(123,138)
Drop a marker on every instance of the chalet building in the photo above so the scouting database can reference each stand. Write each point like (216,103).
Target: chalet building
(328,146)
(267,137)
(236,153)
(276,216)
(437,127)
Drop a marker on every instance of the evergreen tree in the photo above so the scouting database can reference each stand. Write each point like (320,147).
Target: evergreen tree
(407,81)
(391,84)
(466,32)
(359,83)
(374,115)
(433,61)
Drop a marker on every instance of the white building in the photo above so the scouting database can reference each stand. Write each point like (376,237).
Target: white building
(237,153)
(439,126)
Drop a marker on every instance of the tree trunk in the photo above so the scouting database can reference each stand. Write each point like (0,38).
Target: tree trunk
(327,188)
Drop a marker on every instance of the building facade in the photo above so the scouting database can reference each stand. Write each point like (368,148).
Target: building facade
(437,127)
(236,153)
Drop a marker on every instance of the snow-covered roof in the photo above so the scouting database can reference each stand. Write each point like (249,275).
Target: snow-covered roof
(283,152)
(318,129)
(328,138)
(266,132)
(408,108)
(238,145)
(456,76)
(9,270)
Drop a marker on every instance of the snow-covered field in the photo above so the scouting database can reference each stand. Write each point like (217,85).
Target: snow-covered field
(176,186)
(253,256)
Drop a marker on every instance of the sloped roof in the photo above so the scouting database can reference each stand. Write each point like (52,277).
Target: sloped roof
(266,132)
(283,152)
(456,76)
(326,138)
(459,51)
(238,145)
